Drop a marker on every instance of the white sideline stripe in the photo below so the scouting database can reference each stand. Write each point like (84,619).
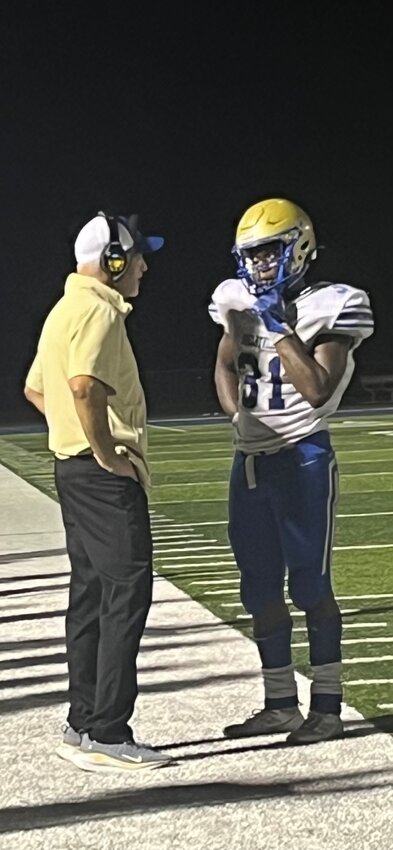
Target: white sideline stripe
(385,705)
(199,558)
(181,541)
(349,641)
(376,460)
(217,592)
(369,596)
(167,428)
(233,580)
(172,526)
(362,451)
(367,625)
(210,499)
(354,682)
(377,513)
(193,565)
(197,549)
(360,423)
(369,546)
(181,538)
(372,659)
(208,522)
(343,475)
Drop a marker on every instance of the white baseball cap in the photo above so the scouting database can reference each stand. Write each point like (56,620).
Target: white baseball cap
(95,236)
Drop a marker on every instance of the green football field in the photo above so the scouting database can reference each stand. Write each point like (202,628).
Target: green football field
(191,465)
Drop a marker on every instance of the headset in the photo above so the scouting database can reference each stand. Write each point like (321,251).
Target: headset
(114,259)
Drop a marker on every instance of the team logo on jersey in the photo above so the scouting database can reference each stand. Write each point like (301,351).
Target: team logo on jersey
(261,343)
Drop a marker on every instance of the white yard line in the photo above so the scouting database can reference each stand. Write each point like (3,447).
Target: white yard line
(349,626)
(377,513)
(193,549)
(369,596)
(349,641)
(208,522)
(193,565)
(351,475)
(371,660)
(181,540)
(167,428)
(209,499)
(355,682)
(233,580)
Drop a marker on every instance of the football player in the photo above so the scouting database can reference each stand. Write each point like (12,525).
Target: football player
(283,363)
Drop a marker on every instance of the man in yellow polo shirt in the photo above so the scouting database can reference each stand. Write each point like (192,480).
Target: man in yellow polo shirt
(85,381)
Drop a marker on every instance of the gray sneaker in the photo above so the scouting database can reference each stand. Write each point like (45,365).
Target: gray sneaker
(317,727)
(70,744)
(269,721)
(105,758)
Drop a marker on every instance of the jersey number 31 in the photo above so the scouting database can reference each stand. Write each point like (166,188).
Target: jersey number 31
(249,370)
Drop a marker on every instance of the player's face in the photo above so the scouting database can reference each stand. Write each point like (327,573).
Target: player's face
(265,259)
(131,280)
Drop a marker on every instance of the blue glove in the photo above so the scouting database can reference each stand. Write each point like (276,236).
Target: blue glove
(270,307)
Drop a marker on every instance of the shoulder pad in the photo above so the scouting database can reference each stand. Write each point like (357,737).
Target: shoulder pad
(231,294)
(336,308)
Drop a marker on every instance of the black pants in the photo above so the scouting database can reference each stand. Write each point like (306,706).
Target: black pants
(109,544)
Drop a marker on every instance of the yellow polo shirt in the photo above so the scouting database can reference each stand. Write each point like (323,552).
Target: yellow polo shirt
(85,334)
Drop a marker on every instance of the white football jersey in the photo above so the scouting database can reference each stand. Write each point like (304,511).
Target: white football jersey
(272,413)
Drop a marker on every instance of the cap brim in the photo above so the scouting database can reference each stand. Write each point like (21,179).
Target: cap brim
(148,244)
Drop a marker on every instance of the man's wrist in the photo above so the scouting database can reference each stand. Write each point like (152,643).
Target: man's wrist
(107,459)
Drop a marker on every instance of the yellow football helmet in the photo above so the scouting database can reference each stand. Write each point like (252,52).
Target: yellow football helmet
(286,230)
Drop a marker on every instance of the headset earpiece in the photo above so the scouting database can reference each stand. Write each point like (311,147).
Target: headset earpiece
(114,258)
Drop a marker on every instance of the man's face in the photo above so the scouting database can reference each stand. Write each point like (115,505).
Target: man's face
(129,284)
(264,259)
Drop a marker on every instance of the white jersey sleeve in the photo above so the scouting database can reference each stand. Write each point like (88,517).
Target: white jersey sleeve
(334,308)
(231,294)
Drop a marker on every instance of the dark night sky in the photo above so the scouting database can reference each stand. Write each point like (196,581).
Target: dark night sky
(187,113)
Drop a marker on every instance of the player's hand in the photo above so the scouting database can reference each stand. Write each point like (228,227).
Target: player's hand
(270,307)
(120,465)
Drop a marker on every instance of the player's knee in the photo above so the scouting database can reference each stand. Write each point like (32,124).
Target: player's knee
(306,589)
(270,619)
(326,609)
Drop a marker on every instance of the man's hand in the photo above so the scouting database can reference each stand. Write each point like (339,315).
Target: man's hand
(119,465)
(270,307)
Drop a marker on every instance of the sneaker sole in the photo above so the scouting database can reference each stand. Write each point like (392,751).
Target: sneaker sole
(67,752)
(298,743)
(99,763)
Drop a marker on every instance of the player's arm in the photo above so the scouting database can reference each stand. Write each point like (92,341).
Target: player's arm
(315,375)
(91,404)
(225,375)
(35,398)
